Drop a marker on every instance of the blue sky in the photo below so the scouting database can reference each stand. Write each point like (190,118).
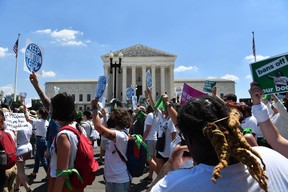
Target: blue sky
(210,38)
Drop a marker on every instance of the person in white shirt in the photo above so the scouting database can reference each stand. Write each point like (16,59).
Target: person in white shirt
(223,160)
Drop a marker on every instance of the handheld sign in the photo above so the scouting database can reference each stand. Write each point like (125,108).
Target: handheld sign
(130,92)
(148,79)
(101,86)
(134,102)
(33,57)
(208,86)
(271,74)
(189,93)
(22,96)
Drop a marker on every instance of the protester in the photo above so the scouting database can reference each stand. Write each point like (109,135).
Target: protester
(24,150)
(40,125)
(63,111)
(211,131)
(150,138)
(269,130)
(117,178)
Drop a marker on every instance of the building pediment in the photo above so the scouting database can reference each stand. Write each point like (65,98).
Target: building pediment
(141,51)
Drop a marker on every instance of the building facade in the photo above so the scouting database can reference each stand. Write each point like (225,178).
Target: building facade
(136,61)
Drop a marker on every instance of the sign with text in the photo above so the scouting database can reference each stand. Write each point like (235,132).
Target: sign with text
(189,93)
(101,86)
(15,121)
(148,79)
(271,74)
(33,57)
(130,92)
(208,86)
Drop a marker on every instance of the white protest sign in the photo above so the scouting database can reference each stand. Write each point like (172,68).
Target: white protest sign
(130,92)
(22,96)
(28,102)
(101,86)
(148,79)
(134,102)
(33,57)
(15,121)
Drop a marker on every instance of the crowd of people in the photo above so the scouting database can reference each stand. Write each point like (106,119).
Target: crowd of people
(208,144)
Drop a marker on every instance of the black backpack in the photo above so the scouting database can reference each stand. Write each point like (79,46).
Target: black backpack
(136,154)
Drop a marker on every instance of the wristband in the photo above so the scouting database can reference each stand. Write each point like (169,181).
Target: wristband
(260,112)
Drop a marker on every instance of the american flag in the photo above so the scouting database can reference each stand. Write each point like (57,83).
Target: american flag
(253,47)
(15,48)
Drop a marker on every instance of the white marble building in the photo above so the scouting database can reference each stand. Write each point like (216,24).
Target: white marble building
(136,61)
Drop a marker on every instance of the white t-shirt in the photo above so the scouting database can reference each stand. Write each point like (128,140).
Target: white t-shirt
(115,169)
(167,126)
(73,150)
(234,178)
(251,122)
(281,119)
(23,139)
(40,126)
(152,120)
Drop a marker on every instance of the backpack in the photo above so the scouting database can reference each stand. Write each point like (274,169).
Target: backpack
(7,151)
(85,164)
(136,154)
(139,122)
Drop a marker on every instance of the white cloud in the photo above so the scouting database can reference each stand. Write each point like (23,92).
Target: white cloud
(3,52)
(65,37)
(211,77)
(48,73)
(230,77)
(250,58)
(8,89)
(248,77)
(183,68)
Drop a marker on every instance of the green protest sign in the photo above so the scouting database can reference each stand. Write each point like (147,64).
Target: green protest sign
(271,74)
(208,86)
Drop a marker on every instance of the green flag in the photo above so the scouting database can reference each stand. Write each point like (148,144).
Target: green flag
(160,104)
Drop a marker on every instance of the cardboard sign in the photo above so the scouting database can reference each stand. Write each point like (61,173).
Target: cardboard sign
(189,93)
(208,86)
(15,121)
(271,74)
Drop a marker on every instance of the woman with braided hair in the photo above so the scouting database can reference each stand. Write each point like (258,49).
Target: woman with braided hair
(223,160)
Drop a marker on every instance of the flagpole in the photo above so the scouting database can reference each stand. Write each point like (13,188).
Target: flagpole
(16,70)
(254,47)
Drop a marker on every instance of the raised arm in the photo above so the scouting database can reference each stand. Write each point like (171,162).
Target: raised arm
(102,130)
(171,111)
(45,100)
(149,97)
(269,130)
(214,94)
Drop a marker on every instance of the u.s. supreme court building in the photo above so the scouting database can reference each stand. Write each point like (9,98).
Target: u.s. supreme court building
(136,61)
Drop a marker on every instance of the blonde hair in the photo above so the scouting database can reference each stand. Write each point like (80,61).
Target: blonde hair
(230,142)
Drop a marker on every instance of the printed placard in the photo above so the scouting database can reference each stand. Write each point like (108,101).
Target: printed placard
(189,93)
(130,92)
(271,74)
(101,86)
(208,86)
(148,79)
(33,57)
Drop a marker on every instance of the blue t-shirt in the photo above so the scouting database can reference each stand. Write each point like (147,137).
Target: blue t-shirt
(52,130)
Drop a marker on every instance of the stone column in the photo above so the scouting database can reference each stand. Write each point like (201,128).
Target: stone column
(172,89)
(143,79)
(162,76)
(134,76)
(153,82)
(124,84)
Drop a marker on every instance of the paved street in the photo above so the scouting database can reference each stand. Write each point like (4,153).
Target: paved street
(98,184)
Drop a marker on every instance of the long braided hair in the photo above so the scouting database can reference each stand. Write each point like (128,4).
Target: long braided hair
(217,128)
